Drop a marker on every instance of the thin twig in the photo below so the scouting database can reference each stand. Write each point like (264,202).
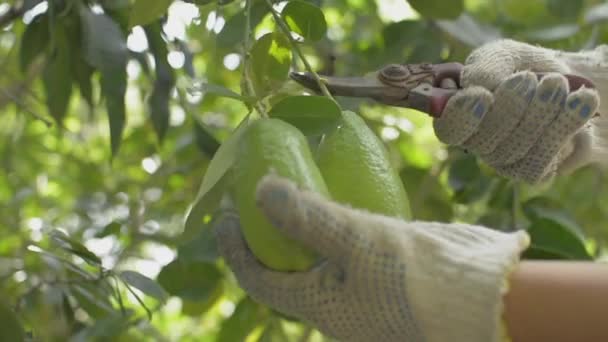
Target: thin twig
(23,107)
(294,45)
(139,300)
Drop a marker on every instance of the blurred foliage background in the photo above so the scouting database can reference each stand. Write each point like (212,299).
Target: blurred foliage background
(112,110)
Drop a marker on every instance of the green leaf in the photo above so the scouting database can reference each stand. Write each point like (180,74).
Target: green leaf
(70,245)
(538,208)
(108,328)
(305,19)
(429,199)
(144,284)
(438,9)
(246,317)
(208,88)
(233,31)
(158,101)
(311,114)
(213,185)
(273,332)
(114,87)
(91,299)
(270,62)
(105,46)
(569,9)
(145,12)
(597,13)
(467,180)
(539,253)
(469,31)
(57,75)
(202,248)
(524,12)
(205,141)
(83,72)
(34,41)
(11,327)
(190,280)
(555,238)
(554,33)
(113,228)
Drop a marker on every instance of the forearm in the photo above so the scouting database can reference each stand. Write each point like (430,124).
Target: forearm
(557,301)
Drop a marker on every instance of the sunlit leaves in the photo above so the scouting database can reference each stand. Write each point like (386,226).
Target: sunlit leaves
(270,62)
(311,114)
(92,298)
(146,11)
(73,246)
(213,186)
(305,19)
(438,9)
(105,49)
(233,31)
(246,316)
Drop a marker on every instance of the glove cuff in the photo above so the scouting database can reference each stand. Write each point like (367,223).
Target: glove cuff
(462,275)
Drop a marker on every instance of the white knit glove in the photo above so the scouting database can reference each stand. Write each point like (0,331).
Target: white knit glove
(381,279)
(524,128)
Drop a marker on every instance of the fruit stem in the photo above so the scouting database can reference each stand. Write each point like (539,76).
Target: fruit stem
(294,45)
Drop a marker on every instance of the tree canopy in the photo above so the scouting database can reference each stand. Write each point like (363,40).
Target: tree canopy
(114,111)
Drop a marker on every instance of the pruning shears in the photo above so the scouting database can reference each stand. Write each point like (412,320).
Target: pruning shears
(425,87)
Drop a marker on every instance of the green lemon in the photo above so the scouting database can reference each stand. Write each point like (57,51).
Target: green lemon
(356,168)
(272,145)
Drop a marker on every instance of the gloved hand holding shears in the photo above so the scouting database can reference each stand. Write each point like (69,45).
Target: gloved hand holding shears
(525,110)
(529,112)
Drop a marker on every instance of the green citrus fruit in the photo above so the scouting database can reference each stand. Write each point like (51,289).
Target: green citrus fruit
(357,171)
(272,145)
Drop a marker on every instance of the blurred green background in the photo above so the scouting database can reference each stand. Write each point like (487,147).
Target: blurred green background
(112,110)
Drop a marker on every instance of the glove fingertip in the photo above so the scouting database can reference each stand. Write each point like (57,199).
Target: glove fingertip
(462,115)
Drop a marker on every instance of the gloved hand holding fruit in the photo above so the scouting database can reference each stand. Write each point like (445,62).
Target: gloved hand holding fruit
(324,236)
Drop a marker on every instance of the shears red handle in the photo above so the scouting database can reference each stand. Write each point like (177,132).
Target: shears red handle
(424,87)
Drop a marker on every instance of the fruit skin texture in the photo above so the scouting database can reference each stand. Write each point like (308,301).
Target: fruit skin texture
(356,168)
(272,145)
